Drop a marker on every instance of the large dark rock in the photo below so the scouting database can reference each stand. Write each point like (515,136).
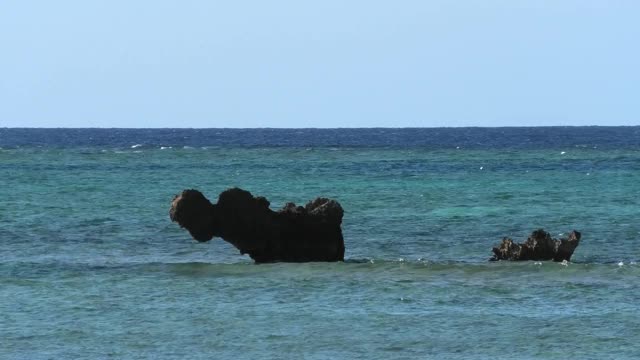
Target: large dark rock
(539,246)
(293,234)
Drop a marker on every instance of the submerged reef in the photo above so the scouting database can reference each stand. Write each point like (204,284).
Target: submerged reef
(539,246)
(293,234)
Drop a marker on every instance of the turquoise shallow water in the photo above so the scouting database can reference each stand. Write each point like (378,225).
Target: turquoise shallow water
(91,266)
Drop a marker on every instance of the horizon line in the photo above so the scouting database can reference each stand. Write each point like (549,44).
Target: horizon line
(307,128)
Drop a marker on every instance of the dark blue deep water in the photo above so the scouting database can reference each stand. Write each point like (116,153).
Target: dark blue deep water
(426,138)
(91,266)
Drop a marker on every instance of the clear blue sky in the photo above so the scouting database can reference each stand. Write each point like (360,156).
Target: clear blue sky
(325,63)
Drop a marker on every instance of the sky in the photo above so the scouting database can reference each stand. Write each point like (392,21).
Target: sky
(324,64)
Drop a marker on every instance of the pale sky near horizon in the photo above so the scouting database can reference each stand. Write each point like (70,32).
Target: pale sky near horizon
(323,63)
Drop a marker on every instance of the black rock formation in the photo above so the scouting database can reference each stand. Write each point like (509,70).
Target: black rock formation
(293,234)
(539,246)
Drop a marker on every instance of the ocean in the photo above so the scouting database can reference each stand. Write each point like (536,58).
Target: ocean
(91,267)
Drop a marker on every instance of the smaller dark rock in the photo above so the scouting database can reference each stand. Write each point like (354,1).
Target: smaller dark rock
(539,246)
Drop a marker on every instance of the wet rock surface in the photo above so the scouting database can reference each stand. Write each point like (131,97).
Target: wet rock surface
(538,246)
(293,234)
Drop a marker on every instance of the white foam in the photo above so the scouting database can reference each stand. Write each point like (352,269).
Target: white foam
(563,152)
(136,146)
(165,147)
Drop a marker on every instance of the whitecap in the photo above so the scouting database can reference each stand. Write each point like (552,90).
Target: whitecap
(564,263)
(136,146)
(563,152)
(165,147)
(620,263)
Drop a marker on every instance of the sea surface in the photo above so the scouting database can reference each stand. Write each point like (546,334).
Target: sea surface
(92,268)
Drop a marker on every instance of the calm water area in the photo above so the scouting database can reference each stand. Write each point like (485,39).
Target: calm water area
(92,268)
